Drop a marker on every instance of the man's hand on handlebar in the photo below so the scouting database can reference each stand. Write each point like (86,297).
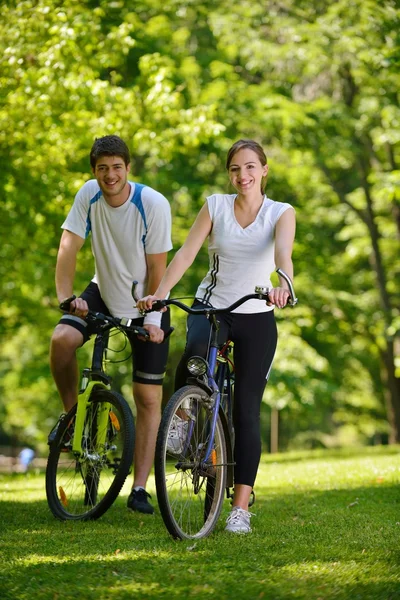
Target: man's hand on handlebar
(156,334)
(78,307)
(278,296)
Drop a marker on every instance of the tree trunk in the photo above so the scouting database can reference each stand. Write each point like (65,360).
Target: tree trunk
(392,392)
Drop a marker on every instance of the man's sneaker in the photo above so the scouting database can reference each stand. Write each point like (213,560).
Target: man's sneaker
(66,442)
(53,433)
(138,501)
(238,520)
(177,435)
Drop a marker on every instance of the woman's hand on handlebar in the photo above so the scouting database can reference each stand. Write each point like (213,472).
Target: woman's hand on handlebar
(278,296)
(146,303)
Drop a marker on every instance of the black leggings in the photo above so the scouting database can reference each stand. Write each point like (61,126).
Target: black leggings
(255,338)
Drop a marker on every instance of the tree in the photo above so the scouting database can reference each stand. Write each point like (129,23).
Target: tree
(315,82)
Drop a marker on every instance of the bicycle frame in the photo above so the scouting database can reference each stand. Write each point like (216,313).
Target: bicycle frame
(224,380)
(216,400)
(216,392)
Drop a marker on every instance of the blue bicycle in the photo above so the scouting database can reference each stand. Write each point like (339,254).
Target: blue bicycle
(194,451)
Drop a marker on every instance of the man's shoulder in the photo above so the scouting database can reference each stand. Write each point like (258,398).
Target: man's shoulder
(89,191)
(150,196)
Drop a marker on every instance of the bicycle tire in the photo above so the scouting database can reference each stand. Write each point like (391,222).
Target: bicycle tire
(190,493)
(84,488)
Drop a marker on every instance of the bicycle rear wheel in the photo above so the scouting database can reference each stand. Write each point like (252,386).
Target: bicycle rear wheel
(84,487)
(190,490)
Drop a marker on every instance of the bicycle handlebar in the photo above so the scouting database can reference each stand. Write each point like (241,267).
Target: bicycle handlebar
(260,293)
(292,301)
(122,323)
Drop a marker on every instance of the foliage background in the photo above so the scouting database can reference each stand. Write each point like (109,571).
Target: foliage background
(317,83)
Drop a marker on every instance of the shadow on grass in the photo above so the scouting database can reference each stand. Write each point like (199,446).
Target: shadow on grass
(375,502)
(316,544)
(150,579)
(308,542)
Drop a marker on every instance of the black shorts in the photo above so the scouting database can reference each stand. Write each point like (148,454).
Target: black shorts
(149,360)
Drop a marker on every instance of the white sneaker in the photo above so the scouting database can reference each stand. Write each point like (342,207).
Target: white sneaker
(238,520)
(177,435)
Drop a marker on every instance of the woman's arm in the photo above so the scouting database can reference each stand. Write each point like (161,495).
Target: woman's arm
(284,238)
(182,260)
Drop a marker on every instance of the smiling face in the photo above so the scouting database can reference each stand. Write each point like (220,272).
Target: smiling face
(111,174)
(246,172)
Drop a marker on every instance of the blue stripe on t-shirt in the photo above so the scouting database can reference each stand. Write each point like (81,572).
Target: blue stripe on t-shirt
(88,221)
(137,201)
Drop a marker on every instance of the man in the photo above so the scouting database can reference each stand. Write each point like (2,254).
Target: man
(130,227)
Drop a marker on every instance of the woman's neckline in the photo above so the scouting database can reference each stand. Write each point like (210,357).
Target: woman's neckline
(245,224)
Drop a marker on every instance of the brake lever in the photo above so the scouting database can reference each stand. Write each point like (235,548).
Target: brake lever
(65,305)
(136,298)
(133,291)
(167,334)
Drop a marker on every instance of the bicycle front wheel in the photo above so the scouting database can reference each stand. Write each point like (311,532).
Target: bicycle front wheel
(84,487)
(190,485)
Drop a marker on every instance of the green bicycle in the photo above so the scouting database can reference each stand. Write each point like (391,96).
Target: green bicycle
(91,455)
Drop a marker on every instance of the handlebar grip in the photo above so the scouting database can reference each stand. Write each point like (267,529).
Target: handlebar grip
(65,305)
(167,334)
(157,305)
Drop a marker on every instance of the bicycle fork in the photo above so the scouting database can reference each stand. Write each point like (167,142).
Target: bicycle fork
(102,413)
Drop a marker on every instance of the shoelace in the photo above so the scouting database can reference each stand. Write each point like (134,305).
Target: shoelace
(141,494)
(238,514)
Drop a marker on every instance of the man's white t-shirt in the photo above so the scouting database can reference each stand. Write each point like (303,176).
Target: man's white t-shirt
(240,258)
(121,237)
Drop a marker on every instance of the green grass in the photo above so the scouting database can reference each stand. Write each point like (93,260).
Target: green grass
(327,526)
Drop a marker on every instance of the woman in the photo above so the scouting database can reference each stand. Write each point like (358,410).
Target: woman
(249,235)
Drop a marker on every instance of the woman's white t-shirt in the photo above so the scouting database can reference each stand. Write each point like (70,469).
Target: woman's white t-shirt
(240,258)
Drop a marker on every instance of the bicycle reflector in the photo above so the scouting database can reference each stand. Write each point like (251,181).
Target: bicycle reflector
(197,366)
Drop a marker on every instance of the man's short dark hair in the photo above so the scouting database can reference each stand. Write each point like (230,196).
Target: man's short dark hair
(109,145)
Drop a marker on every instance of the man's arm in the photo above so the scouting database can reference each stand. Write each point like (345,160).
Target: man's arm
(156,265)
(70,245)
